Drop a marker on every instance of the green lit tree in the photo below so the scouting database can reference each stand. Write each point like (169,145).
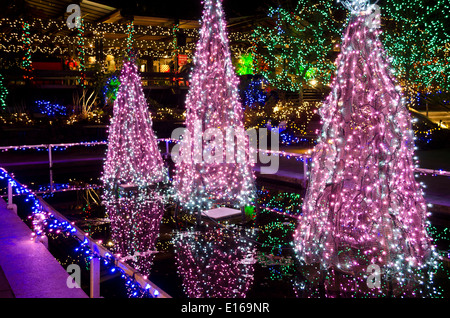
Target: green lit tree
(296,50)
(418,39)
(3,94)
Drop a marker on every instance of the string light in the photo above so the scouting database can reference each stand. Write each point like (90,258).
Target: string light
(130,37)
(297,49)
(81,53)
(50,109)
(111,89)
(418,40)
(40,41)
(26,47)
(3,94)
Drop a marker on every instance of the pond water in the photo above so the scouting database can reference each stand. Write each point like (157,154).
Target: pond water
(239,257)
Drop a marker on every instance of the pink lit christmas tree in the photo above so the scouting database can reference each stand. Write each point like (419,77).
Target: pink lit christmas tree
(363,205)
(133,169)
(133,156)
(214,156)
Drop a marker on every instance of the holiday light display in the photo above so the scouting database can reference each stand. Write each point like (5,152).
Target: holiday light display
(133,156)
(46,37)
(130,37)
(245,64)
(26,47)
(418,40)
(3,94)
(132,167)
(50,109)
(214,170)
(363,205)
(81,53)
(215,264)
(297,48)
(255,93)
(135,222)
(339,284)
(110,89)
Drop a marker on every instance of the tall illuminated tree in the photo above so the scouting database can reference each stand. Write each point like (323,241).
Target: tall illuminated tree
(214,164)
(363,205)
(133,156)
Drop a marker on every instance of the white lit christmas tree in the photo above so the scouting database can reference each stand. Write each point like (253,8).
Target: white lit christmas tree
(363,205)
(214,168)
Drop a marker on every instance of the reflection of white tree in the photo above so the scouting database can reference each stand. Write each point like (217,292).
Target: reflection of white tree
(214,264)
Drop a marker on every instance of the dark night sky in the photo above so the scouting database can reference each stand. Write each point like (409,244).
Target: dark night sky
(190,9)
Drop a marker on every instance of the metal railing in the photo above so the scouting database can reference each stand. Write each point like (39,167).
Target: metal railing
(303,157)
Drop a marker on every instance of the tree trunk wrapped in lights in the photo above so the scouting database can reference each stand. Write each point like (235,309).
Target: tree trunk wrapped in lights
(363,205)
(211,170)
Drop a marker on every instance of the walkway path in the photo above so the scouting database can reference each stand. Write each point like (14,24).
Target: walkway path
(27,269)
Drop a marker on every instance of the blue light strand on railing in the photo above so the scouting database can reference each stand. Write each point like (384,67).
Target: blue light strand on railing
(44,221)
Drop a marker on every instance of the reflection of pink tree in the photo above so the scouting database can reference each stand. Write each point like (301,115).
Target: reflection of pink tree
(213,103)
(214,265)
(135,223)
(363,204)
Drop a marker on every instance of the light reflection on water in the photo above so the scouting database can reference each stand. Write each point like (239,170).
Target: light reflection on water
(217,260)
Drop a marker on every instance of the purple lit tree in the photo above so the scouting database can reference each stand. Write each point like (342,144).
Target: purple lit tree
(133,156)
(363,205)
(214,156)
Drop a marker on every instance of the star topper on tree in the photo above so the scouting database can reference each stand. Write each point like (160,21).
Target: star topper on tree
(357,6)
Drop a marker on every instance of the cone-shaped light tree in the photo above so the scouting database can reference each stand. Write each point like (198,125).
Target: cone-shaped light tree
(214,165)
(363,200)
(132,170)
(133,156)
